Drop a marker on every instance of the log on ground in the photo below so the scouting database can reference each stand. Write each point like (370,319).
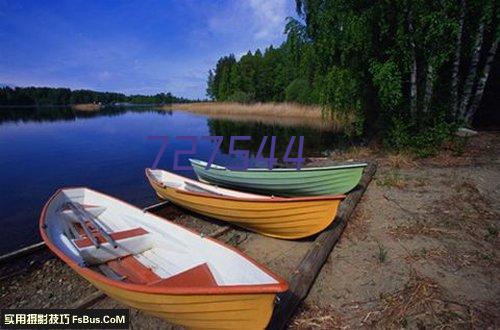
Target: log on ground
(310,266)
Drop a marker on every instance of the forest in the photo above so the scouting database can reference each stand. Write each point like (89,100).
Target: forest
(413,70)
(37,96)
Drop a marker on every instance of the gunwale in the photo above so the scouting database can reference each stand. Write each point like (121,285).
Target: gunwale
(266,170)
(259,199)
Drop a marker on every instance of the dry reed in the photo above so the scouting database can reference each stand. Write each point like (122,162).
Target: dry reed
(86,107)
(400,160)
(288,114)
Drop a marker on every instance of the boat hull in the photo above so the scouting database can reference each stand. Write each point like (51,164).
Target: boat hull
(284,182)
(280,218)
(196,311)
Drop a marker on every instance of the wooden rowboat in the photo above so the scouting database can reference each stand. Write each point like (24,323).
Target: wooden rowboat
(309,181)
(154,265)
(288,218)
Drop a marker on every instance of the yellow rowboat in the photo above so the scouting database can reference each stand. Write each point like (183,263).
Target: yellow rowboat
(154,265)
(288,218)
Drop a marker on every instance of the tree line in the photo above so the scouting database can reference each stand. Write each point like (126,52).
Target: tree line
(61,96)
(413,69)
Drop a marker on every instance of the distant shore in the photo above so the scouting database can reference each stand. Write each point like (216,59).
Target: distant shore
(290,114)
(87,106)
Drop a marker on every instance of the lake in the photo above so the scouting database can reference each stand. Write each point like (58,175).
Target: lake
(43,149)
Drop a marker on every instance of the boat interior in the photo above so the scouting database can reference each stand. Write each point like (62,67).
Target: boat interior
(128,245)
(181,183)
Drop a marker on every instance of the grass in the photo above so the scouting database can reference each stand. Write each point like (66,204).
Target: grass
(391,179)
(459,145)
(491,231)
(315,317)
(359,152)
(289,114)
(400,160)
(382,253)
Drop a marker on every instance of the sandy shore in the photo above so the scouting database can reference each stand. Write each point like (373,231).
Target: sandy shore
(420,251)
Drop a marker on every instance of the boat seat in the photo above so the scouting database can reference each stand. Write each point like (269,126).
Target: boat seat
(117,236)
(128,242)
(197,276)
(132,270)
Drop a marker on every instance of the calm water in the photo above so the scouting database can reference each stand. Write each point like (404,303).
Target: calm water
(44,149)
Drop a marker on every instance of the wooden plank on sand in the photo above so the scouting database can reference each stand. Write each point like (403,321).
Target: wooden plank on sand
(21,252)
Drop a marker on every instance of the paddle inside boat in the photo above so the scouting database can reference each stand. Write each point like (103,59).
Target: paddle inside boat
(308,181)
(149,263)
(288,218)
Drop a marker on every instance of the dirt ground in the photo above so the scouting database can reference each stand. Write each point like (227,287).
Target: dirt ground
(420,251)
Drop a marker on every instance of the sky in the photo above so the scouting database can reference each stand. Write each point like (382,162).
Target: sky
(132,47)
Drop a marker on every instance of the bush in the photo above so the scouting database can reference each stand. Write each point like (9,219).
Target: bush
(341,97)
(241,97)
(423,141)
(298,91)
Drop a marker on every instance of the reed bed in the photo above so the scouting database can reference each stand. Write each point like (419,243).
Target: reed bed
(287,114)
(87,107)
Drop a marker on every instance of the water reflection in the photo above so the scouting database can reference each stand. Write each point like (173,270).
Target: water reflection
(47,148)
(316,142)
(64,113)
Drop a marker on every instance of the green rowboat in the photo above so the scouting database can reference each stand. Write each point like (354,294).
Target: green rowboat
(288,182)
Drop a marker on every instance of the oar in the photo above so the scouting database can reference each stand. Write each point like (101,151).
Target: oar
(81,220)
(78,208)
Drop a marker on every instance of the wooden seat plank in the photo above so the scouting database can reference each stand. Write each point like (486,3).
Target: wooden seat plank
(117,235)
(133,270)
(199,276)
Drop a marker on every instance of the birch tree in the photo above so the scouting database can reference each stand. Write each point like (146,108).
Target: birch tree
(471,111)
(456,60)
(478,71)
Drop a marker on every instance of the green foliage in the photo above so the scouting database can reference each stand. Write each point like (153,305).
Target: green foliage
(240,97)
(62,96)
(298,91)
(390,62)
(387,80)
(404,134)
(210,85)
(341,91)
(341,96)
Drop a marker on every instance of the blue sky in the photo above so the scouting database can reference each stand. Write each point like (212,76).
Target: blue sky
(132,47)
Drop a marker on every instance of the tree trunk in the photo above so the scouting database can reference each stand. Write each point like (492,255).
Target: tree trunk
(429,87)
(413,75)
(476,101)
(413,82)
(456,62)
(469,82)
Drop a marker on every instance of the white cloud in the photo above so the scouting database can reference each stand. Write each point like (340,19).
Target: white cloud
(263,20)
(269,17)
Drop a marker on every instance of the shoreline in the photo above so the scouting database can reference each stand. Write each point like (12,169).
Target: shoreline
(87,107)
(286,114)
(421,230)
